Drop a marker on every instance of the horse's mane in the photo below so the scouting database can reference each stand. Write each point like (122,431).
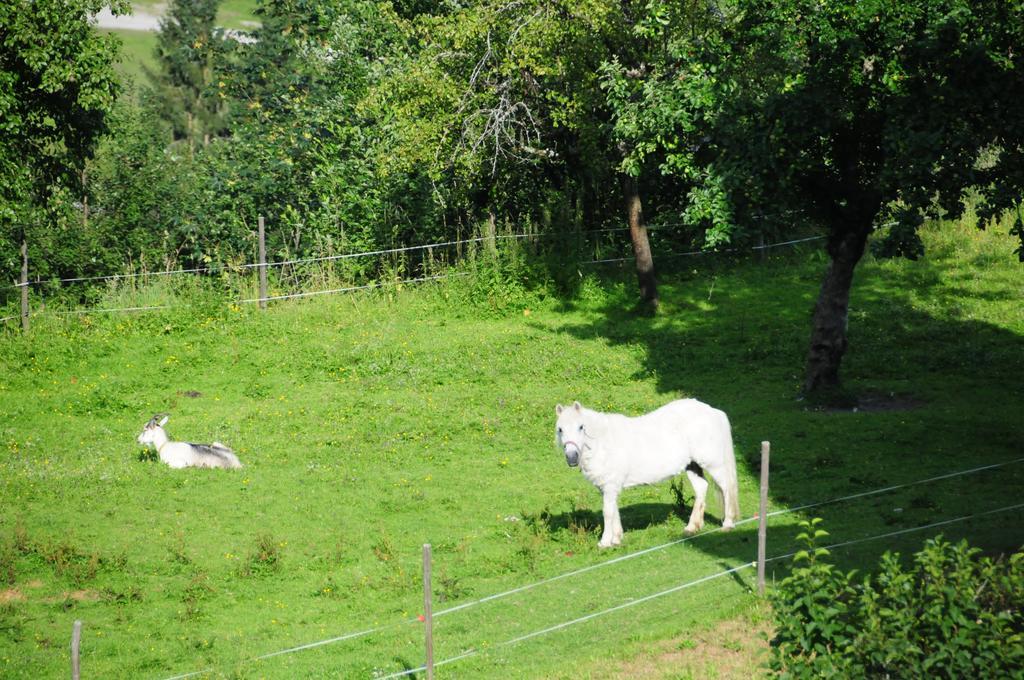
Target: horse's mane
(595,422)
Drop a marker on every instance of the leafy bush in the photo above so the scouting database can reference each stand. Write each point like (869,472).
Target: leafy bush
(951,613)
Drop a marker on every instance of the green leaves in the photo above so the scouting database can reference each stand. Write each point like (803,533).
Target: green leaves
(57,86)
(189,50)
(1018,230)
(902,239)
(951,614)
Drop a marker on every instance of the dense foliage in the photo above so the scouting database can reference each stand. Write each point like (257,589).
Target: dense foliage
(189,48)
(373,423)
(839,116)
(57,84)
(362,125)
(952,613)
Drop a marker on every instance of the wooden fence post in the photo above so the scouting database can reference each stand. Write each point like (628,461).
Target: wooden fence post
(263,264)
(76,639)
(24,284)
(491,234)
(762,527)
(428,612)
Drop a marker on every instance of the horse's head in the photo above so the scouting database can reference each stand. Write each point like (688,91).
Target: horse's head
(569,432)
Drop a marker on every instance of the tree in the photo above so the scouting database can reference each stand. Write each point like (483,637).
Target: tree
(145,197)
(843,115)
(846,112)
(299,145)
(662,105)
(653,107)
(57,84)
(502,104)
(188,49)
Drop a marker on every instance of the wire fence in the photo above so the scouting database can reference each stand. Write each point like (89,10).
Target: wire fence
(352,635)
(694,253)
(901,532)
(696,582)
(305,260)
(350,289)
(345,289)
(331,258)
(581,619)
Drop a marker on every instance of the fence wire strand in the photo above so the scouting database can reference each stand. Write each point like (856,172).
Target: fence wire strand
(900,532)
(582,619)
(648,598)
(373,253)
(404,249)
(107,311)
(308,260)
(875,492)
(353,288)
(693,253)
(638,553)
(348,289)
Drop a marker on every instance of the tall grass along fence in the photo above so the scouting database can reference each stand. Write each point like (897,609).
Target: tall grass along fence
(423,625)
(297,278)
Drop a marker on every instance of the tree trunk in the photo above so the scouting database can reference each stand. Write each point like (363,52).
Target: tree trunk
(641,245)
(828,333)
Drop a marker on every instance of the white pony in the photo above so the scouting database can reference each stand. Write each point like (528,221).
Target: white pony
(186,454)
(615,452)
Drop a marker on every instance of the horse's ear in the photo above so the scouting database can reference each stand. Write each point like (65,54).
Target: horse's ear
(558,409)
(576,405)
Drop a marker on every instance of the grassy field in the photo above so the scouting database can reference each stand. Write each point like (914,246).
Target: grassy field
(136,51)
(371,424)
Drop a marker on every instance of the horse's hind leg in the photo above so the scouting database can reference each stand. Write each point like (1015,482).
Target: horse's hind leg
(721,478)
(700,488)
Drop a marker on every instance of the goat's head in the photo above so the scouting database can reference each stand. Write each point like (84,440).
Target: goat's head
(149,430)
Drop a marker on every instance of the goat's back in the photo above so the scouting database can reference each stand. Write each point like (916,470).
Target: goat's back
(214,456)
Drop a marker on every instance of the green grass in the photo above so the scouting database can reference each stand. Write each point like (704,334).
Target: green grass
(371,424)
(136,50)
(237,14)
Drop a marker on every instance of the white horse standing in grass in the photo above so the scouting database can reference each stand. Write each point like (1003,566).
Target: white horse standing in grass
(615,452)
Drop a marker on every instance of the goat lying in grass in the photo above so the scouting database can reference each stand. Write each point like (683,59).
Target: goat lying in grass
(186,454)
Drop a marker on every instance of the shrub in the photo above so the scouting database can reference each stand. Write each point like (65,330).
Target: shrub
(950,613)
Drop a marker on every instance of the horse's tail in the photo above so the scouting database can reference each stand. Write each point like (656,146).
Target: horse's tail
(731,492)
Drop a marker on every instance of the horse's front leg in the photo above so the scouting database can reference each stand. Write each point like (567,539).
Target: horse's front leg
(612,533)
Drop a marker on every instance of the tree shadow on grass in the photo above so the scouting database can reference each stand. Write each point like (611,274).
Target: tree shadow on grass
(737,339)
